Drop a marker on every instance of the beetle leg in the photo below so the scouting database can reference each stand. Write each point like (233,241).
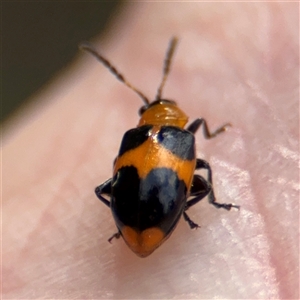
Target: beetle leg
(190,222)
(104,188)
(194,126)
(200,189)
(200,186)
(202,164)
(115,236)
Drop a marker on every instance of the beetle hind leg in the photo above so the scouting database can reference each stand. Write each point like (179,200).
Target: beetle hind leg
(114,236)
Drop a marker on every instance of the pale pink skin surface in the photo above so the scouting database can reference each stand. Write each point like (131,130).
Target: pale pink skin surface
(234,62)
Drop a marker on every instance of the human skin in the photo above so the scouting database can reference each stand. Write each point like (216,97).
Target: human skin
(236,63)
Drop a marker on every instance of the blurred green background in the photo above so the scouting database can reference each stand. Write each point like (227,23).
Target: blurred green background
(40,38)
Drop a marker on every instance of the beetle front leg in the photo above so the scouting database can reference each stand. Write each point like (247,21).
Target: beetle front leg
(194,126)
(104,188)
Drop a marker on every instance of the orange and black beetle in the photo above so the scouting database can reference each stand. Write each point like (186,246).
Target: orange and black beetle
(153,181)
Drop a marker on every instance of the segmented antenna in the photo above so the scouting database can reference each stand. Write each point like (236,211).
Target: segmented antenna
(87,47)
(167,64)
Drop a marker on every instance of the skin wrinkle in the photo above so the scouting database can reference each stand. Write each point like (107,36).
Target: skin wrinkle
(276,290)
(256,221)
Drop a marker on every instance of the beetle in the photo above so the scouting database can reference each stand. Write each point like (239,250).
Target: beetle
(154,181)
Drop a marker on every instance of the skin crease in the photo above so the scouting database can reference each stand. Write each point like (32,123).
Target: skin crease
(235,62)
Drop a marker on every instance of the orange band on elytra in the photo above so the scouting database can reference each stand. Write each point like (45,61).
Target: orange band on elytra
(151,155)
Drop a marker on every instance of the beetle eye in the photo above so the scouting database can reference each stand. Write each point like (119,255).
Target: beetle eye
(143,109)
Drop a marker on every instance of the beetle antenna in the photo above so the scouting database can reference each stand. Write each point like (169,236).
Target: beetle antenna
(89,48)
(167,64)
